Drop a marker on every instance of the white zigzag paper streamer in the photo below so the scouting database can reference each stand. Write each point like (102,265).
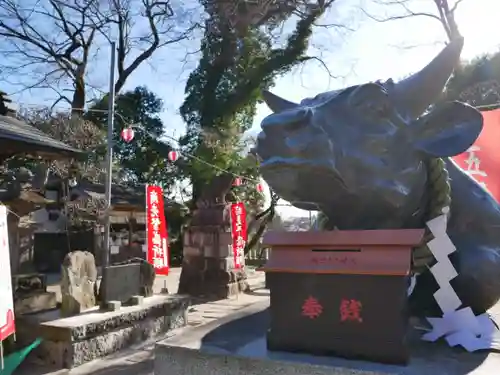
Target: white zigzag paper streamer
(457,326)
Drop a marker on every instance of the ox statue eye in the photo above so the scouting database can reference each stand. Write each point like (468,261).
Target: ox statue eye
(380,109)
(371,100)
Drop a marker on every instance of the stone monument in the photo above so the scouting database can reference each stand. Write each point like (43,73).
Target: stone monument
(208,265)
(373,157)
(81,332)
(78,278)
(128,282)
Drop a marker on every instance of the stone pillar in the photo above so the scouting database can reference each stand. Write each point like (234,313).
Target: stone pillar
(208,264)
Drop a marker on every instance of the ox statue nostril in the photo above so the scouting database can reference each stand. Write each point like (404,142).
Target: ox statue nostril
(295,126)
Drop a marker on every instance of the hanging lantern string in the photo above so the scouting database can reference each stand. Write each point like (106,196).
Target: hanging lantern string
(260,190)
(191,156)
(234,174)
(138,127)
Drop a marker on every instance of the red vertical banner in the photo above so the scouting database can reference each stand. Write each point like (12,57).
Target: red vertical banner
(238,232)
(7,321)
(482,160)
(156,227)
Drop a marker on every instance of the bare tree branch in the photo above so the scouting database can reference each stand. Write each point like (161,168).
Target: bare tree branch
(54,43)
(445,13)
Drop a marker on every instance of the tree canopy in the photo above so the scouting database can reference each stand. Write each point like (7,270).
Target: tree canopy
(477,82)
(144,159)
(238,61)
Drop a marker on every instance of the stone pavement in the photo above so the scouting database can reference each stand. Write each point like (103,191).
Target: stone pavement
(236,345)
(138,360)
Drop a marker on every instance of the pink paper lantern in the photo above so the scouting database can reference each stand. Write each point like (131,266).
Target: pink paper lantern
(127,134)
(237,181)
(260,188)
(173,155)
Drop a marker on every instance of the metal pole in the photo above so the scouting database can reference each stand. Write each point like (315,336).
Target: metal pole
(109,172)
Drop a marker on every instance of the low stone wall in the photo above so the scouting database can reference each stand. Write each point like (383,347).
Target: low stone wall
(70,342)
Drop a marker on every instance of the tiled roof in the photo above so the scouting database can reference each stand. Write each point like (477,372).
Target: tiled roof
(23,136)
(120,195)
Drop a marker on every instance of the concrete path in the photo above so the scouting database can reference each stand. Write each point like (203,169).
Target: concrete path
(139,360)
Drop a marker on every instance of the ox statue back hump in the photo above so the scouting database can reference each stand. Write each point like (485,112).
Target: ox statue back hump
(361,155)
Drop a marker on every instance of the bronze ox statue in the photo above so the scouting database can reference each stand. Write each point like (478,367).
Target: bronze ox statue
(360,154)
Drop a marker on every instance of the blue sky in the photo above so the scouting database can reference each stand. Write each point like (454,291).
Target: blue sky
(373,51)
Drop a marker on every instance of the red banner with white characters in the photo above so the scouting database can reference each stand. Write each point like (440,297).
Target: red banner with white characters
(156,227)
(7,323)
(482,160)
(238,232)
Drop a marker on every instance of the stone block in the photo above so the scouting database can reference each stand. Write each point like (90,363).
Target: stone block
(226,251)
(215,217)
(225,238)
(29,283)
(210,251)
(78,277)
(197,238)
(192,251)
(206,277)
(112,305)
(227,263)
(73,341)
(35,302)
(136,300)
(221,251)
(210,238)
(208,263)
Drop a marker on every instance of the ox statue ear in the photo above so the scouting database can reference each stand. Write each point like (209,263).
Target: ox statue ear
(276,103)
(447,130)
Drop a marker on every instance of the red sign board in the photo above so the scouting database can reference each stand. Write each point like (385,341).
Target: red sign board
(9,328)
(156,226)
(238,231)
(482,160)
(7,324)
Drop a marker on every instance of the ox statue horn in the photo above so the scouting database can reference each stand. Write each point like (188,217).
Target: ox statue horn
(423,88)
(276,103)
